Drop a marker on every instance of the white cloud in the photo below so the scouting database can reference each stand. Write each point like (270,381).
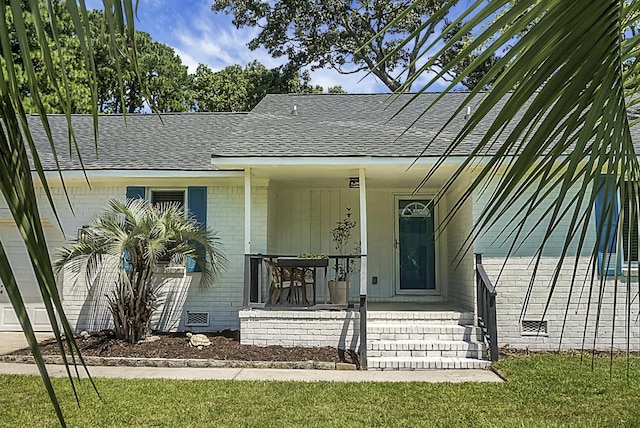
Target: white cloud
(202,36)
(187,60)
(358,83)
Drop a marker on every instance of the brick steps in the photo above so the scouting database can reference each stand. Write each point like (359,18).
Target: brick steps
(412,330)
(435,348)
(436,317)
(400,340)
(426,363)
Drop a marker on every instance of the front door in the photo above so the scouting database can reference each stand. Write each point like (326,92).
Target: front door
(415,246)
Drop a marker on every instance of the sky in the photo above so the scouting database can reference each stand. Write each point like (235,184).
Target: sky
(200,36)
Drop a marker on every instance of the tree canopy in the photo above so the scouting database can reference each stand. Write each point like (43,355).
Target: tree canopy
(168,84)
(382,37)
(239,89)
(161,70)
(65,50)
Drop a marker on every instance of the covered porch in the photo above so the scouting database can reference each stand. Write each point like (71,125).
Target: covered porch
(408,280)
(397,251)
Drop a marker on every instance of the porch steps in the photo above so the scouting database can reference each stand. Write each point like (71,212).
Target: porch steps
(422,340)
(413,330)
(435,348)
(428,363)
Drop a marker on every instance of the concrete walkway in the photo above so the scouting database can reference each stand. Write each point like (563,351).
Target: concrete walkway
(263,374)
(13,341)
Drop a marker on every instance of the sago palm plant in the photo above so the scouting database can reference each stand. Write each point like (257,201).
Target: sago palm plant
(122,247)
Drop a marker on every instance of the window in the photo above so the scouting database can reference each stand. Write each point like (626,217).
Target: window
(610,206)
(194,199)
(160,196)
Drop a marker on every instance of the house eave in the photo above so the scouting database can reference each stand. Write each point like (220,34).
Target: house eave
(224,163)
(142,173)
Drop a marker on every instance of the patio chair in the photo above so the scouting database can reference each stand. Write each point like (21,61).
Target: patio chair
(303,295)
(280,291)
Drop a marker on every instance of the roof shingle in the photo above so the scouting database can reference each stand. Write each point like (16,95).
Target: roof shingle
(347,125)
(329,125)
(177,141)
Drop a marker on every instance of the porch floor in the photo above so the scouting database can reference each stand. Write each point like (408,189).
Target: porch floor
(416,306)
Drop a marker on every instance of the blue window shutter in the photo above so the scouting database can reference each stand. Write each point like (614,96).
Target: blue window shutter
(125,263)
(197,203)
(135,192)
(607,225)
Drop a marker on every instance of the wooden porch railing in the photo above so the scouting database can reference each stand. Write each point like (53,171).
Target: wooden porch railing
(288,282)
(486,295)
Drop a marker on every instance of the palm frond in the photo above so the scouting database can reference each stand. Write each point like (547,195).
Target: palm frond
(556,120)
(18,154)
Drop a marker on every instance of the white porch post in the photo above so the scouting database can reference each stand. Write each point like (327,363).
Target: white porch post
(247,211)
(247,237)
(363,268)
(363,233)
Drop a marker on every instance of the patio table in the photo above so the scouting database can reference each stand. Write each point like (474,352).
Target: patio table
(302,264)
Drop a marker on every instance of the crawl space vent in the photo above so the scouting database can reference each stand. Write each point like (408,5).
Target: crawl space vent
(195,319)
(533,328)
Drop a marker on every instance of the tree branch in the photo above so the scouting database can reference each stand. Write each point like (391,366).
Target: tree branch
(379,68)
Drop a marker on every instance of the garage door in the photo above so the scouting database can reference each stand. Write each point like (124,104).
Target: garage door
(19,259)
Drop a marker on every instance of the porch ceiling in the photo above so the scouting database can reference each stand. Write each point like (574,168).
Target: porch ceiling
(381,175)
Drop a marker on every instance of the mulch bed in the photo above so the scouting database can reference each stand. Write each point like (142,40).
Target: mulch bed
(225,345)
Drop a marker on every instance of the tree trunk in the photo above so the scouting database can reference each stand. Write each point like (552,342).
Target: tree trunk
(132,306)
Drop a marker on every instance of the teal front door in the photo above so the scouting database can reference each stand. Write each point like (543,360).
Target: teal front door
(415,246)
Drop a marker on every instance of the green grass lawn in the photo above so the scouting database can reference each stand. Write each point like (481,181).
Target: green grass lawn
(543,390)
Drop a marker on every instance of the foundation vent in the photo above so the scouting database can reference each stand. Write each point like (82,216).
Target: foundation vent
(534,328)
(197,319)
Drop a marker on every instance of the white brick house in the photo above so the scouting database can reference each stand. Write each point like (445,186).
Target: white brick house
(276,182)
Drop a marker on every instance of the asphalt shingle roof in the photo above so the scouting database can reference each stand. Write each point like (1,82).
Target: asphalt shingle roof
(325,126)
(177,141)
(356,125)
(346,125)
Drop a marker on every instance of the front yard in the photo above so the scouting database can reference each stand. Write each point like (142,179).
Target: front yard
(543,390)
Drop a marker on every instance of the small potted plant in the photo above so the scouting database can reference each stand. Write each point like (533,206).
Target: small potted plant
(341,237)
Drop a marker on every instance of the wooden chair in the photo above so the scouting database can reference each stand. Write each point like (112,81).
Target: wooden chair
(303,295)
(281,291)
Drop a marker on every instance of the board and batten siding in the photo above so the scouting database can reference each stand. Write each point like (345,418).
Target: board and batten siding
(305,218)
